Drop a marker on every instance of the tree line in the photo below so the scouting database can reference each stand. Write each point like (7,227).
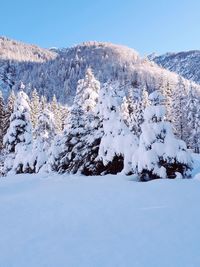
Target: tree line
(106,130)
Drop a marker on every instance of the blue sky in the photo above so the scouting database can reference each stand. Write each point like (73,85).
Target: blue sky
(146,25)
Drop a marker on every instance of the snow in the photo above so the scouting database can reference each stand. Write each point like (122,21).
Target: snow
(117,138)
(63,220)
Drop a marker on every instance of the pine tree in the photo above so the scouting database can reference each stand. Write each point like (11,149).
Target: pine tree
(45,127)
(88,88)
(74,138)
(193,120)
(159,154)
(18,138)
(35,107)
(133,107)
(196,132)
(128,110)
(166,91)
(43,102)
(2,120)
(118,143)
(87,150)
(9,111)
(64,111)
(91,164)
(56,110)
(179,116)
(44,135)
(140,104)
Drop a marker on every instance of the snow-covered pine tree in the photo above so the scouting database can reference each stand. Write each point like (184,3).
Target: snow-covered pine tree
(45,127)
(179,98)
(18,138)
(166,91)
(196,131)
(71,137)
(44,135)
(64,111)
(91,164)
(2,120)
(71,157)
(128,109)
(89,89)
(9,111)
(160,154)
(193,120)
(133,108)
(56,110)
(87,148)
(43,102)
(118,143)
(140,104)
(35,107)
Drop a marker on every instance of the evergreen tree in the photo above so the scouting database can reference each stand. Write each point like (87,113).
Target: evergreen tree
(193,120)
(140,104)
(91,164)
(43,102)
(166,91)
(18,138)
(64,111)
(159,154)
(196,132)
(73,142)
(45,127)
(179,116)
(118,143)
(44,135)
(133,108)
(2,120)
(35,107)
(56,110)
(128,109)
(87,150)
(9,111)
(88,90)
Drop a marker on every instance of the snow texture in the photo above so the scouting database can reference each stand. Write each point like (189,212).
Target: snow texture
(98,221)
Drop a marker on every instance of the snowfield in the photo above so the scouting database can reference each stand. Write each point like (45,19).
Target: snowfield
(110,221)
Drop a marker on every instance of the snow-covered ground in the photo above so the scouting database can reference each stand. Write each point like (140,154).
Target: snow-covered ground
(110,221)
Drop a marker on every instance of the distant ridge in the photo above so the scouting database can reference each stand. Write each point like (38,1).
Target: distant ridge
(57,71)
(186,63)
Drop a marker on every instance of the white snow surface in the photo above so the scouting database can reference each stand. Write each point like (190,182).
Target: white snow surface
(63,220)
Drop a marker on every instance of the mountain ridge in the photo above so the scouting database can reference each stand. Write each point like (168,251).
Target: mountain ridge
(57,71)
(184,63)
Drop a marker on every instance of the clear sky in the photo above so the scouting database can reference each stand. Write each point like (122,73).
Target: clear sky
(145,25)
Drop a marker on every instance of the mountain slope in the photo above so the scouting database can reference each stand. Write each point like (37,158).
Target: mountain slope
(18,51)
(57,71)
(186,64)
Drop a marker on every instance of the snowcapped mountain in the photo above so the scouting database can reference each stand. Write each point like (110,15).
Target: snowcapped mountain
(185,63)
(17,51)
(56,71)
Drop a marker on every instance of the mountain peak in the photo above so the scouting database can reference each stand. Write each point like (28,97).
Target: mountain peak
(19,51)
(57,71)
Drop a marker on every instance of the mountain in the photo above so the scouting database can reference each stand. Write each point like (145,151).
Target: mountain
(186,63)
(17,51)
(57,71)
